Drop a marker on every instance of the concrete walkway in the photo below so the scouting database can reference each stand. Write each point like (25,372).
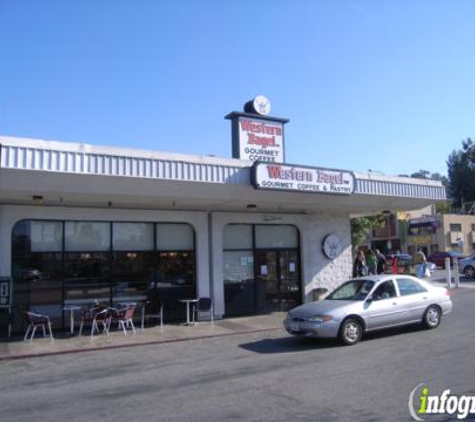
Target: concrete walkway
(16,348)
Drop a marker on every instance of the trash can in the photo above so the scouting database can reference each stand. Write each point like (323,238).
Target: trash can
(319,293)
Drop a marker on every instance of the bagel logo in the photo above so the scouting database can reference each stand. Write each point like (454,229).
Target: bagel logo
(421,404)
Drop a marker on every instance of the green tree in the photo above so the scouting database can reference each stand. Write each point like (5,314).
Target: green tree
(461,172)
(361,227)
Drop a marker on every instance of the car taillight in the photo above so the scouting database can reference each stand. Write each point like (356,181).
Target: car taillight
(448,292)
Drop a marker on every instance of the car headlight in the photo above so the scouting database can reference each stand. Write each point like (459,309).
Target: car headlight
(320,318)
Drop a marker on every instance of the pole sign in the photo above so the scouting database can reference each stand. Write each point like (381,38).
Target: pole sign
(255,135)
(302,179)
(261,140)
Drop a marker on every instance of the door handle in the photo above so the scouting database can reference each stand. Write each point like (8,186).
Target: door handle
(394,303)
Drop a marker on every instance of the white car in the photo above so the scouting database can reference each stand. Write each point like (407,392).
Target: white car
(370,303)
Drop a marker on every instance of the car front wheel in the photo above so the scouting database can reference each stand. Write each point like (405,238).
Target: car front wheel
(351,332)
(469,272)
(432,317)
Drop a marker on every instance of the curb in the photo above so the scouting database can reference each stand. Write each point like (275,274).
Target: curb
(123,346)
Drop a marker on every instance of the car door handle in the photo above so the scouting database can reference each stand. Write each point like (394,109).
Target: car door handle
(394,303)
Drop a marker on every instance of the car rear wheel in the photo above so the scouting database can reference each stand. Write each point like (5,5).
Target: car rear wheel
(469,272)
(432,316)
(351,331)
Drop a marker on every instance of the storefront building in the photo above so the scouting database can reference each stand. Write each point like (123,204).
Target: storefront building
(80,223)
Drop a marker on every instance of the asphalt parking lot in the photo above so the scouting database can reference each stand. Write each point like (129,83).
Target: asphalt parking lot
(261,376)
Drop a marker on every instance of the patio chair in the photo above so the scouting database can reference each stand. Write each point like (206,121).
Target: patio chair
(35,320)
(123,317)
(153,309)
(203,305)
(96,316)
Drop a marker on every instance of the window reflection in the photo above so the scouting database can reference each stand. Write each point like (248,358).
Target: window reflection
(57,263)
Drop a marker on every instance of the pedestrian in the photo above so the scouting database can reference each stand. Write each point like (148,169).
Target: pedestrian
(381,262)
(371,261)
(359,266)
(419,261)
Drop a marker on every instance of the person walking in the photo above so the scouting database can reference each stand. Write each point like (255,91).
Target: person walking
(419,260)
(381,262)
(359,266)
(371,261)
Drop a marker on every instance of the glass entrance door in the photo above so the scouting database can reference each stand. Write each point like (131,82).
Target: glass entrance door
(277,280)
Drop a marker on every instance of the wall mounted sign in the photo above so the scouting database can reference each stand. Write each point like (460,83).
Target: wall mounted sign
(332,246)
(255,135)
(302,179)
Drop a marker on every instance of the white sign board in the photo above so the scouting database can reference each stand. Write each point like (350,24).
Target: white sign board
(303,179)
(261,140)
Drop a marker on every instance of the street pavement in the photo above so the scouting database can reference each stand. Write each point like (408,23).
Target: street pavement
(264,375)
(16,348)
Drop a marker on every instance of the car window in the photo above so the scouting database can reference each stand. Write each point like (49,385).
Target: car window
(385,290)
(352,290)
(408,286)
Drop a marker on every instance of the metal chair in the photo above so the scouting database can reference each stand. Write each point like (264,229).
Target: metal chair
(153,309)
(96,316)
(124,318)
(203,305)
(35,320)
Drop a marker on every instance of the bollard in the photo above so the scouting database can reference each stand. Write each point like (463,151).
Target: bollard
(448,273)
(456,273)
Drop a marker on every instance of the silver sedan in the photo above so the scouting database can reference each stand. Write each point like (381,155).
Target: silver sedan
(370,303)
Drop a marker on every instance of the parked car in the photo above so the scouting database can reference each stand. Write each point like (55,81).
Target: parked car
(404,264)
(438,258)
(467,266)
(370,303)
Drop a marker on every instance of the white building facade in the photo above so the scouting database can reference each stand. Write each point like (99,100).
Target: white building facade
(80,223)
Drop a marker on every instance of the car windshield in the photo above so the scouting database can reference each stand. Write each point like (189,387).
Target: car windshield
(352,290)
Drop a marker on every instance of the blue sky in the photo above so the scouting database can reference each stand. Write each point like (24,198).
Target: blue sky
(382,85)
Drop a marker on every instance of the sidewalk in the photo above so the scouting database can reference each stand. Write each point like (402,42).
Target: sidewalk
(16,348)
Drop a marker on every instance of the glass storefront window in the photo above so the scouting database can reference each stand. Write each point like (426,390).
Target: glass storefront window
(284,236)
(237,236)
(133,275)
(46,236)
(87,236)
(132,236)
(51,269)
(87,277)
(239,284)
(175,237)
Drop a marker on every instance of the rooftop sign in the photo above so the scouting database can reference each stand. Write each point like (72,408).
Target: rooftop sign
(302,179)
(255,135)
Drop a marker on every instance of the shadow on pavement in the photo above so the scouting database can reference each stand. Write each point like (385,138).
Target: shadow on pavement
(289,345)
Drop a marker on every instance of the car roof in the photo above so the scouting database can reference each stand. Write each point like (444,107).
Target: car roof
(380,277)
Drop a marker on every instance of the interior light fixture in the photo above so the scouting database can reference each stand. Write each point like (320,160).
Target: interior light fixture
(37,199)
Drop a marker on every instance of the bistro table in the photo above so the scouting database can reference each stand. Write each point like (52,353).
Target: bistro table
(71,309)
(188,302)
